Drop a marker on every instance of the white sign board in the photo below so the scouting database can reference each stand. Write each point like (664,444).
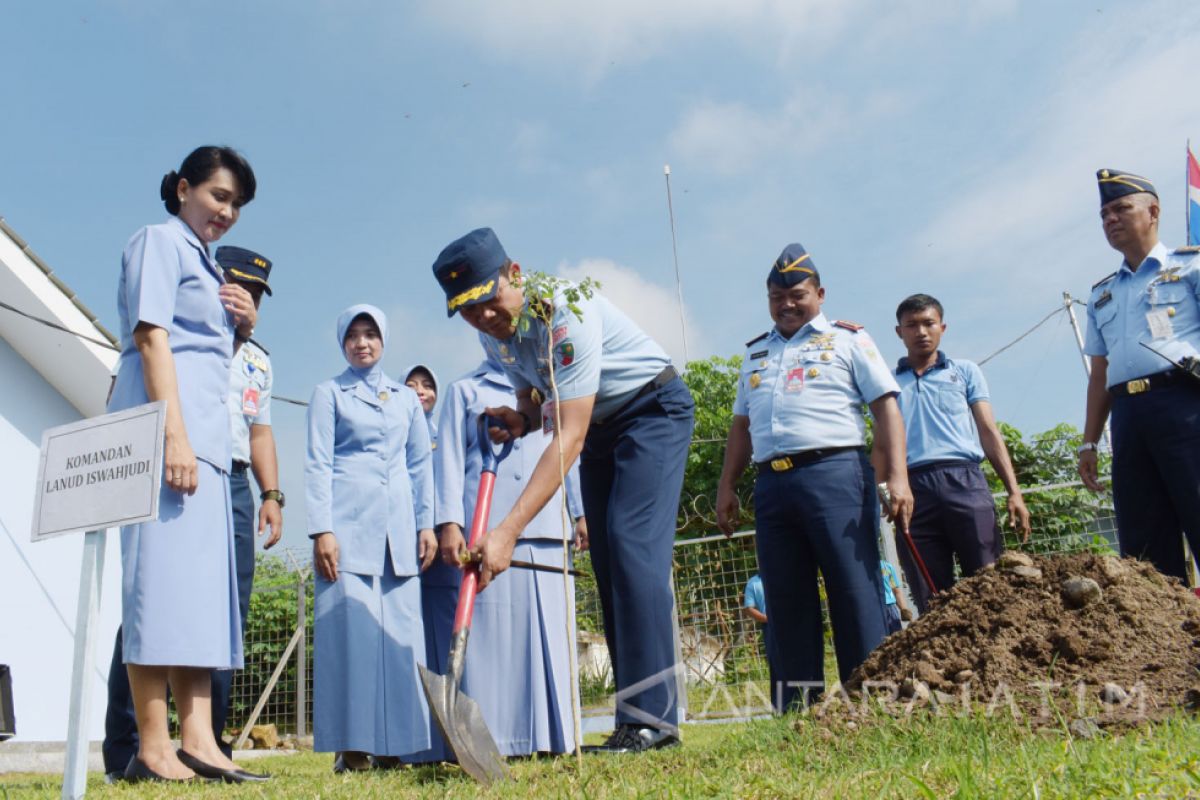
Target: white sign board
(100,473)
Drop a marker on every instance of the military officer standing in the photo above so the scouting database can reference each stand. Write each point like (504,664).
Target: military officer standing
(627,415)
(1142,318)
(798,412)
(250,385)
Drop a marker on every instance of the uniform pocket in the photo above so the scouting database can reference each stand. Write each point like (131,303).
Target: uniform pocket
(1165,294)
(952,398)
(1104,316)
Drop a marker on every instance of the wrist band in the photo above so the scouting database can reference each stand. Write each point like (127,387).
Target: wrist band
(528,423)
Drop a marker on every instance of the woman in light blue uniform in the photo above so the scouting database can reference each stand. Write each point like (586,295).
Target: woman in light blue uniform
(518,660)
(439,583)
(180,325)
(369,493)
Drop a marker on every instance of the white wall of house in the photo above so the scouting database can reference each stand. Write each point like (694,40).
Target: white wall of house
(39,582)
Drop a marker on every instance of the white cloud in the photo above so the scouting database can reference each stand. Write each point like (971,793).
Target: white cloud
(654,308)
(1129,111)
(728,138)
(631,31)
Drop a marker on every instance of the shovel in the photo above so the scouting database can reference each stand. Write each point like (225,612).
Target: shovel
(458,717)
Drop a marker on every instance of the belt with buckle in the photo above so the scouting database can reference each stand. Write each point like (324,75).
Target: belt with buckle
(238,467)
(1146,383)
(660,380)
(793,460)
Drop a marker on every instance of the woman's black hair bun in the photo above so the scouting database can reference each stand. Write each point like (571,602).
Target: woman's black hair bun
(169,191)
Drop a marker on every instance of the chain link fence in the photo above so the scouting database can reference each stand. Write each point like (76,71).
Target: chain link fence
(722,652)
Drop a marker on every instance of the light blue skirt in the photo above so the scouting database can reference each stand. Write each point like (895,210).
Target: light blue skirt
(368,641)
(518,656)
(438,601)
(179,580)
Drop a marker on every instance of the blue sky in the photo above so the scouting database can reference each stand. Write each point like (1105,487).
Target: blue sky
(933,146)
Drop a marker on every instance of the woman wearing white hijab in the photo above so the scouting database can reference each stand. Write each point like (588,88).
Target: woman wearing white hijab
(369,494)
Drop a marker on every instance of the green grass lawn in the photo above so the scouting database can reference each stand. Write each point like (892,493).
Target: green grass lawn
(922,756)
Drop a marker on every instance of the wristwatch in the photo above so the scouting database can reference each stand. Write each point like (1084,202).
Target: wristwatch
(528,424)
(1085,447)
(272,494)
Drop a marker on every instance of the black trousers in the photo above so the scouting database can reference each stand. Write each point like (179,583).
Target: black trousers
(954,516)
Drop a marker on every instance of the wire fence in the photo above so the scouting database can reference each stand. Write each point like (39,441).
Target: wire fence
(722,652)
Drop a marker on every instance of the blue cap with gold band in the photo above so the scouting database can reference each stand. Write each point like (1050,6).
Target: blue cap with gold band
(793,266)
(1114,184)
(244,265)
(468,269)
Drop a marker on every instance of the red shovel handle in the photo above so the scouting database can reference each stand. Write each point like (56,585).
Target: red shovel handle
(470,581)
(479,523)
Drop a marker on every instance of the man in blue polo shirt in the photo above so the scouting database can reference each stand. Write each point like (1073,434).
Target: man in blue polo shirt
(950,427)
(616,404)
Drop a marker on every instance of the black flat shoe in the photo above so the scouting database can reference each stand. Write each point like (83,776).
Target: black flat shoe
(206,770)
(634,739)
(351,761)
(137,771)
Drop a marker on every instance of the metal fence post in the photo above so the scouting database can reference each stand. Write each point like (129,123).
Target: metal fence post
(301,656)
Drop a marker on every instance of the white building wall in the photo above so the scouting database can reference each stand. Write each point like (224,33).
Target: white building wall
(39,582)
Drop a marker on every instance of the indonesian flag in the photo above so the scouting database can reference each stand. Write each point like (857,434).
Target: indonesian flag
(1193,199)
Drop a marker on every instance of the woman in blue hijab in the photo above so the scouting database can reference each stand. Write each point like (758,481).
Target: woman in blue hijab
(369,494)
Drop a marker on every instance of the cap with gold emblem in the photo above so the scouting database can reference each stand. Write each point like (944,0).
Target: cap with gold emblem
(468,269)
(245,266)
(1114,184)
(793,266)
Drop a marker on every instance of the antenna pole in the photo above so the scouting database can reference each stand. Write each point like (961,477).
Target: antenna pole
(675,255)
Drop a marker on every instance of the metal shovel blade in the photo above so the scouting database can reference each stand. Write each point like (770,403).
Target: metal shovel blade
(461,723)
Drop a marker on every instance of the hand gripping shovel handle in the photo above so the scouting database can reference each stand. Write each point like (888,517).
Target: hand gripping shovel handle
(885,498)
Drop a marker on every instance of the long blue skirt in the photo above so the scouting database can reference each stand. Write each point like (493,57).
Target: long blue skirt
(518,656)
(438,602)
(179,580)
(368,642)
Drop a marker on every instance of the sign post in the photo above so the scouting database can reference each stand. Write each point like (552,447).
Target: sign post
(92,475)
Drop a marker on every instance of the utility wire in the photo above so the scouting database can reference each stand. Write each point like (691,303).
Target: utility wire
(56,326)
(109,345)
(1042,322)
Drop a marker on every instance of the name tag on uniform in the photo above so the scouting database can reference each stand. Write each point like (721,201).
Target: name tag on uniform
(250,401)
(548,417)
(1160,324)
(1104,299)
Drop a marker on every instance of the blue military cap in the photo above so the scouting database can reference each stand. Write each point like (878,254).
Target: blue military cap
(468,268)
(244,265)
(1114,184)
(793,266)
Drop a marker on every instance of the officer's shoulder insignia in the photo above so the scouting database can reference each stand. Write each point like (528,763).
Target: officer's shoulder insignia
(757,339)
(850,326)
(1189,250)
(1104,280)
(258,344)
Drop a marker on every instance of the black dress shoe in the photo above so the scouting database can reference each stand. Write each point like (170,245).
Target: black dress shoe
(137,771)
(634,739)
(206,770)
(351,761)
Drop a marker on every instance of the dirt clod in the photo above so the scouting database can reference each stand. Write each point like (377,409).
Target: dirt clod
(1078,592)
(1132,646)
(1030,573)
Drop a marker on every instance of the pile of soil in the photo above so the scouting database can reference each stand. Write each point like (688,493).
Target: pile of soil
(1093,636)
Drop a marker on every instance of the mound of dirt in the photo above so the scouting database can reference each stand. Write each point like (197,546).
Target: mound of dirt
(1091,635)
